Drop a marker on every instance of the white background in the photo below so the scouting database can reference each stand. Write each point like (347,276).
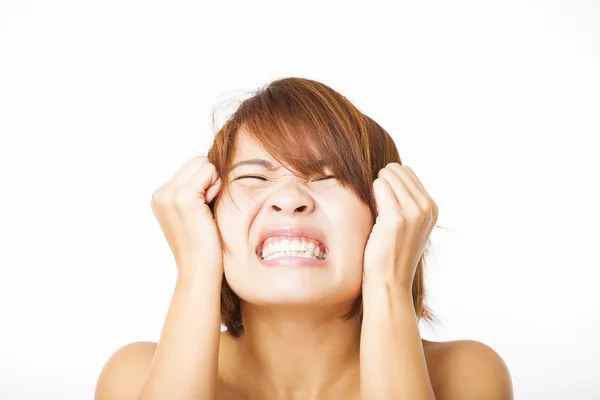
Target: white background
(495,105)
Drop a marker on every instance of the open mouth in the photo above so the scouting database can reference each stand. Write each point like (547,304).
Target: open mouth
(284,246)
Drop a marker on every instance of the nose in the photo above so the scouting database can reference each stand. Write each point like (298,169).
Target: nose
(290,199)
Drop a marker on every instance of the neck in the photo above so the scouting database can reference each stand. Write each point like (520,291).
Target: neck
(298,352)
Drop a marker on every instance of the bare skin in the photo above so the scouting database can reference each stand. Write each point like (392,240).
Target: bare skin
(294,347)
(446,362)
(442,361)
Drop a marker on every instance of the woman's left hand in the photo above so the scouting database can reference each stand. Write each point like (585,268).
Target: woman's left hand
(406,215)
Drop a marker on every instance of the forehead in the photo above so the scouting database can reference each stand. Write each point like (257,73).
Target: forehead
(249,152)
(246,147)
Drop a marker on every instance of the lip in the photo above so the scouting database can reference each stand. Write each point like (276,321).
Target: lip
(304,231)
(289,261)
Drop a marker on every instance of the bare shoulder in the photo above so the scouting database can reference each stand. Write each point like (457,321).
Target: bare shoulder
(467,369)
(123,374)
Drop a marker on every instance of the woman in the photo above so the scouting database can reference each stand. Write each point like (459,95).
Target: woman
(305,236)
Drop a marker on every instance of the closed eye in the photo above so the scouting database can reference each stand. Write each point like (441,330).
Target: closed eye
(325,177)
(252,176)
(265,179)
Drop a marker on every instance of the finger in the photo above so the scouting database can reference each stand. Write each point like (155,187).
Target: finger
(385,199)
(415,187)
(401,191)
(213,190)
(417,182)
(185,172)
(203,185)
(432,204)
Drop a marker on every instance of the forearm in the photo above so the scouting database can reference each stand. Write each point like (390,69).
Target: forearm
(392,362)
(185,364)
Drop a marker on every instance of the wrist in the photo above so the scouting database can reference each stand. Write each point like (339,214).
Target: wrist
(199,279)
(195,270)
(378,290)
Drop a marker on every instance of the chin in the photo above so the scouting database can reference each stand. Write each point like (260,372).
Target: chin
(324,285)
(296,292)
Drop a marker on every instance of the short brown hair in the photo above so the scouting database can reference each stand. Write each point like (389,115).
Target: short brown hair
(307,125)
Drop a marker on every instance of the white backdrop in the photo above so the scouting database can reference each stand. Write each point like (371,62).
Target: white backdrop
(495,105)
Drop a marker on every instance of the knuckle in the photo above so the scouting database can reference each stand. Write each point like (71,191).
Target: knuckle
(210,167)
(427,208)
(182,199)
(157,198)
(383,172)
(415,214)
(163,197)
(397,221)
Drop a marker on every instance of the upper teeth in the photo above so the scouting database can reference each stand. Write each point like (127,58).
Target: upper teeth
(292,247)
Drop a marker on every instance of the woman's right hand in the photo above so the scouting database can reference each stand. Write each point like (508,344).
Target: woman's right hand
(181,208)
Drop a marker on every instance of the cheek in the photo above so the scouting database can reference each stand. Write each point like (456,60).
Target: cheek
(232,222)
(354,221)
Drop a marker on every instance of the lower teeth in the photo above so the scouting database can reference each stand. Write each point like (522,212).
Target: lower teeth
(292,254)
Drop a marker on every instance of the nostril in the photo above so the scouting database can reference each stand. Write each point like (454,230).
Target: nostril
(298,209)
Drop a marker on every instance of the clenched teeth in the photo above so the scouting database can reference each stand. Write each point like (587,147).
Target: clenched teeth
(292,247)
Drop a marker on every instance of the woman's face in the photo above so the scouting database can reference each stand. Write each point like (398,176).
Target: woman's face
(283,200)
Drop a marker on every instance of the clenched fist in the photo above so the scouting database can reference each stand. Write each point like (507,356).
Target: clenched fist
(181,208)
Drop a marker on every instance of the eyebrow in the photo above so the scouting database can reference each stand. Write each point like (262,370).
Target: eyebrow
(256,161)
